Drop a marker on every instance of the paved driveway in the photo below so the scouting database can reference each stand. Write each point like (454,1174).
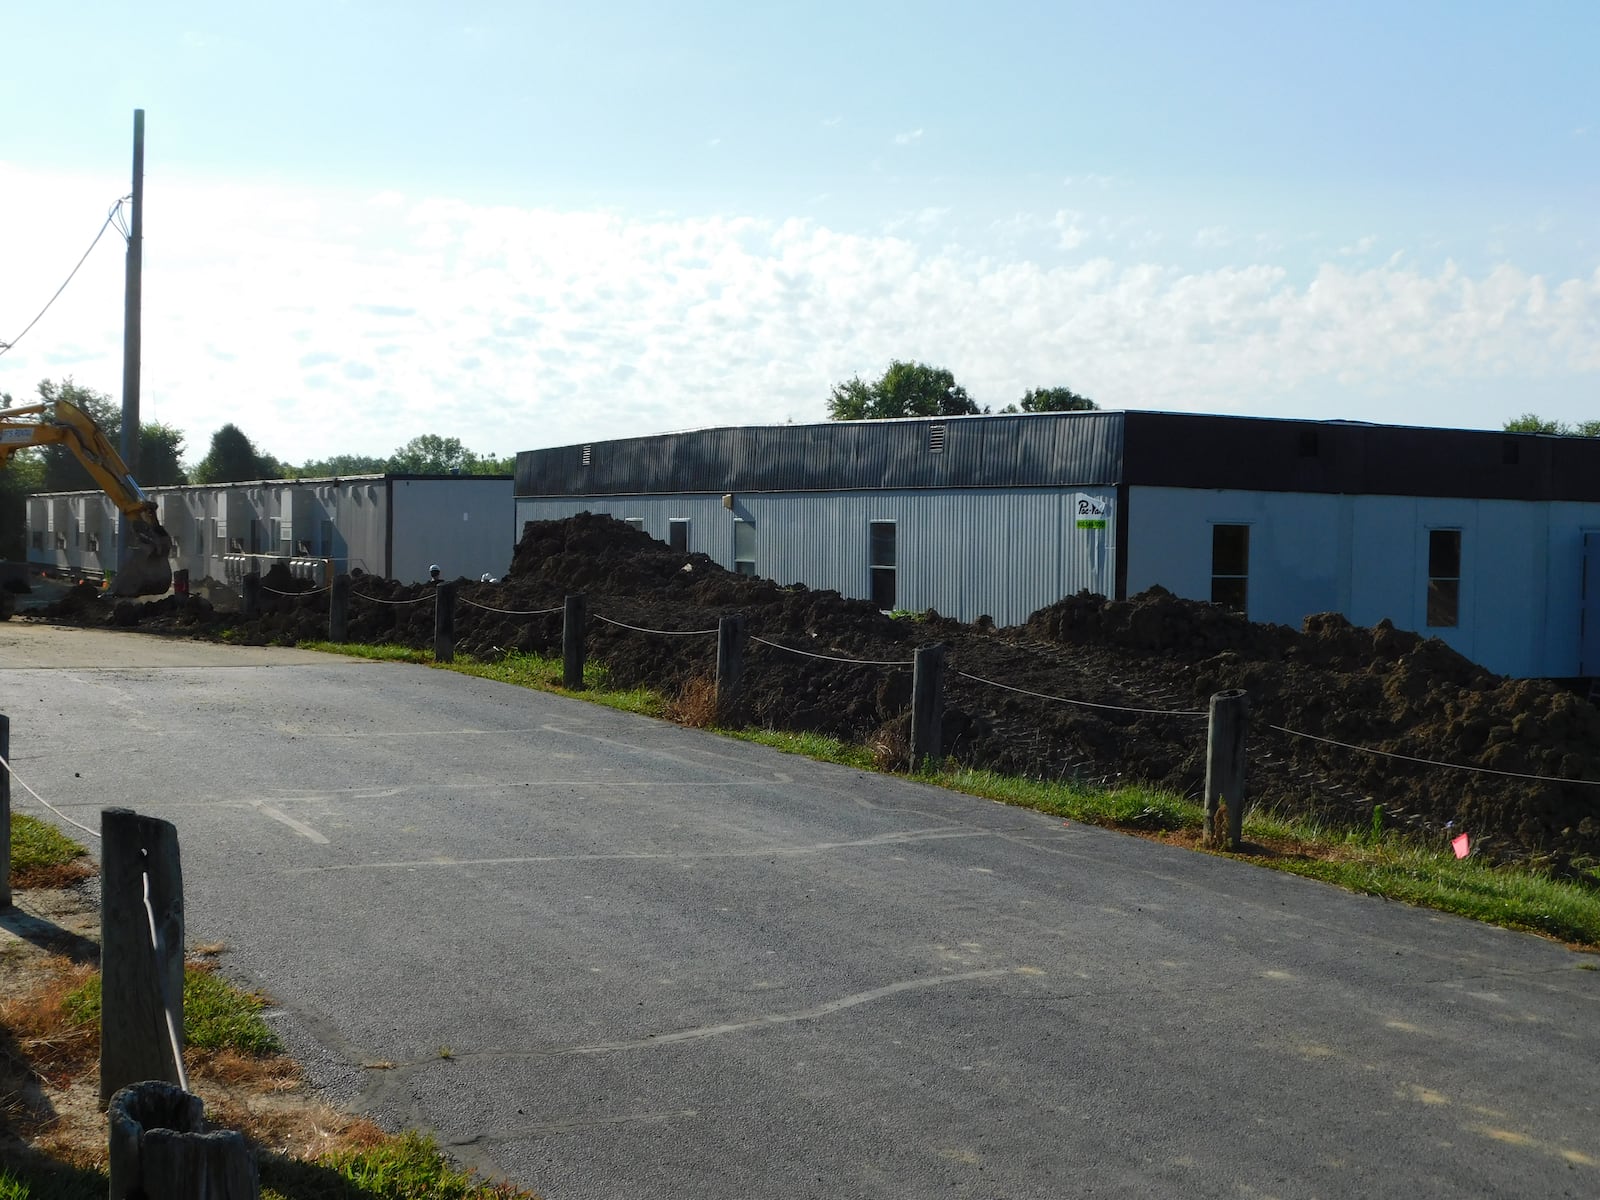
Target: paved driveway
(611,957)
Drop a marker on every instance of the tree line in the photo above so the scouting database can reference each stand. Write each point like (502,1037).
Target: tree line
(913,389)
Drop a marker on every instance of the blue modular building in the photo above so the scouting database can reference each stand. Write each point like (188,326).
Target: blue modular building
(1489,541)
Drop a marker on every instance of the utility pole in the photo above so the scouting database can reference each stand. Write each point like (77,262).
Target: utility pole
(131,305)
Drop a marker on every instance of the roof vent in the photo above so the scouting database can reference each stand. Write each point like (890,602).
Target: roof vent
(935,439)
(583,460)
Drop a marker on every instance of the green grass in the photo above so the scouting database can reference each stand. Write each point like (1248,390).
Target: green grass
(408,1167)
(540,672)
(808,745)
(37,846)
(216,1015)
(1128,807)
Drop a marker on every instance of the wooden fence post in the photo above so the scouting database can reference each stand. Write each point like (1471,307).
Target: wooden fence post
(141,985)
(5,813)
(250,594)
(730,663)
(1225,782)
(572,623)
(339,609)
(159,1147)
(444,623)
(927,706)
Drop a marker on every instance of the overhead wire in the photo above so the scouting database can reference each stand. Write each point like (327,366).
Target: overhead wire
(111,219)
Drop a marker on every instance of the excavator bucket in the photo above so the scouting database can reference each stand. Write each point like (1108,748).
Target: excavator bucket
(144,569)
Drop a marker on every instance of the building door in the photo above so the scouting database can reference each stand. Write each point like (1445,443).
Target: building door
(1589,620)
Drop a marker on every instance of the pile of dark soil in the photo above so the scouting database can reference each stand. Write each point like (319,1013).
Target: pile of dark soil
(1141,670)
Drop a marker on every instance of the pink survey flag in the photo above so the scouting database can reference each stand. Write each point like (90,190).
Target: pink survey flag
(1462,845)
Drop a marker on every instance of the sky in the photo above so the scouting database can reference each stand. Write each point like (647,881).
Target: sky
(529,224)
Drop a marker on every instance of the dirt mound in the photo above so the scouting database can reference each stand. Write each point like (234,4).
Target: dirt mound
(1141,672)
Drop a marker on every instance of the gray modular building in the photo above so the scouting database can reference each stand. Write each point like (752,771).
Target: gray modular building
(394,526)
(1489,541)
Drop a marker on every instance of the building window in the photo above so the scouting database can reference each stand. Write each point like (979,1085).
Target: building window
(744,547)
(636,522)
(1444,578)
(92,543)
(1230,566)
(678,534)
(881,563)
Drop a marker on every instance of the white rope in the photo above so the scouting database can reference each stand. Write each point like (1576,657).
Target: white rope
(513,612)
(1160,712)
(46,803)
(661,632)
(161,981)
(380,600)
(860,662)
(1433,762)
(307,592)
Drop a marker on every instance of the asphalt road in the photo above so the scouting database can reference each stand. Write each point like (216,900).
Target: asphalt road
(606,956)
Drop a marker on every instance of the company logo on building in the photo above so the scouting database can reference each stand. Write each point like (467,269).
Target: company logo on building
(1091,512)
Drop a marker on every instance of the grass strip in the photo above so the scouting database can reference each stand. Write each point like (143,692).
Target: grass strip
(43,857)
(216,1015)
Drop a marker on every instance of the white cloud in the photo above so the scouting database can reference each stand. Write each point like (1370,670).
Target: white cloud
(322,324)
(906,139)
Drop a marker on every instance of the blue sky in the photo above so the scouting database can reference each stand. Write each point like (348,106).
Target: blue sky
(524,225)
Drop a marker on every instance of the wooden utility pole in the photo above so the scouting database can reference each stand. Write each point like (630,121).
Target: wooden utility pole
(131,305)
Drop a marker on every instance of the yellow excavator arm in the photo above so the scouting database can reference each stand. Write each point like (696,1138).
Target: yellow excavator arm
(144,569)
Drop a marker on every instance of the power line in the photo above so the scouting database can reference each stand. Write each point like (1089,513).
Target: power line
(111,219)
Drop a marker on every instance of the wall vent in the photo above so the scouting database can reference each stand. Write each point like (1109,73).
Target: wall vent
(583,459)
(936,439)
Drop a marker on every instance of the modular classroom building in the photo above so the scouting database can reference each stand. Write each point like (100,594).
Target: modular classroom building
(394,526)
(1489,541)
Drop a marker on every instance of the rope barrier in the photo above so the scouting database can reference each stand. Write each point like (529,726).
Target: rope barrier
(860,662)
(661,632)
(77,824)
(1160,712)
(380,600)
(307,592)
(161,981)
(1432,762)
(511,612)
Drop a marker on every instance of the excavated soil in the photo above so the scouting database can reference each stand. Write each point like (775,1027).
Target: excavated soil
(1379,688)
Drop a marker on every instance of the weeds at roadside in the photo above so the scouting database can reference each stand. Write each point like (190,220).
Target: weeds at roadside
(44,857)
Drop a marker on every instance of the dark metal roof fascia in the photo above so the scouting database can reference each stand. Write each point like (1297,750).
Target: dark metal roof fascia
(1023,450)
(1269,455)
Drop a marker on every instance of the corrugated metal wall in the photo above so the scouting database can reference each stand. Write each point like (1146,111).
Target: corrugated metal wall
(347,521)
(1003,553)
(1521,591)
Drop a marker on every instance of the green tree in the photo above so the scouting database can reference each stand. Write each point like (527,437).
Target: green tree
(21,478)
(905,390)
(62,470)
(160,455)
(234,458)
(1534,423)
(1056,399)
(431,454)
(341,464)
